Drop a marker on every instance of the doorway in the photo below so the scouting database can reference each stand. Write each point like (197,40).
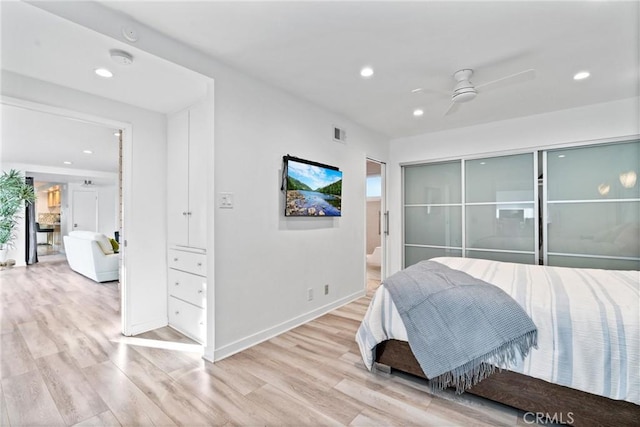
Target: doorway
(377,227)
(48,203)
(75,203)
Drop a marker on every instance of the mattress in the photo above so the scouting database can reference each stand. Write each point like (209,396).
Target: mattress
(588,323)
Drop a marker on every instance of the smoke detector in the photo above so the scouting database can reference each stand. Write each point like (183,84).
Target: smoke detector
(121,57)
(130,33)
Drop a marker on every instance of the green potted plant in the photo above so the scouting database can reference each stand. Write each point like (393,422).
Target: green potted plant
(14,193)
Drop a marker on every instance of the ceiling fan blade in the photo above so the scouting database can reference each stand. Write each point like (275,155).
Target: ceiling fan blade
(520,77)
(425,90)
(453,108)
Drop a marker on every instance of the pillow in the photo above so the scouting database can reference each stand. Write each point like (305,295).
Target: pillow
(114,245)
(104,243)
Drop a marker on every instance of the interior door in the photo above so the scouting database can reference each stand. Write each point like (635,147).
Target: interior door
(377,220)
(84,210)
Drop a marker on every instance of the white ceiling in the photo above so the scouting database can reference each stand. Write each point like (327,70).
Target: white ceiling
(38,44)
(43,46)
(315,50)
(47,140)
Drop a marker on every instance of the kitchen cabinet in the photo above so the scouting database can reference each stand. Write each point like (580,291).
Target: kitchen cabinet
(53,198)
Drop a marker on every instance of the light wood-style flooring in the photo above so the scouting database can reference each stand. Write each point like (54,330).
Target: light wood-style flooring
(64,362)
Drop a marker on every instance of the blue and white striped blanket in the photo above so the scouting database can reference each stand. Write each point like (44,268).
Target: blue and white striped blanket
(588,323)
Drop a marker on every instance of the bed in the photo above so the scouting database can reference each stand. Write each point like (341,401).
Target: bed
(586,368)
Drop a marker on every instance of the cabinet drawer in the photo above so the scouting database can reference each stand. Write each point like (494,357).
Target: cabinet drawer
(188,319)
(188,261)
(188,287)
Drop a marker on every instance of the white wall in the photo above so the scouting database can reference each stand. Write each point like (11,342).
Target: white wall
(263,263)
(107,210)
(145,252)
(579,125)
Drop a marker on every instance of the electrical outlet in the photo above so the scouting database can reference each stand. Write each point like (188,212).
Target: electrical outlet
(226,200)
(326,289)
(309,294)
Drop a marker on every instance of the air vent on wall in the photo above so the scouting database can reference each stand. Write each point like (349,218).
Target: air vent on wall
(339,135)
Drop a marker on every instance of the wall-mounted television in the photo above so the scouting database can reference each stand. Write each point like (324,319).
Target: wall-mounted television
(311,188)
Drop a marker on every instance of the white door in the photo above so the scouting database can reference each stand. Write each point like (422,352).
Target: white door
(178,178)
(377,224)
(199,141)
(84,210)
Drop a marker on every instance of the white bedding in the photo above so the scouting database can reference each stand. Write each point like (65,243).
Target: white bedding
(588,323)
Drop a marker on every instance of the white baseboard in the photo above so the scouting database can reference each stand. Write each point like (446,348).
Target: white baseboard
(257,338)
(148,326)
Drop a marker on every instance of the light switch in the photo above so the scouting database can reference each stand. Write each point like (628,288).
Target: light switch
(226,200)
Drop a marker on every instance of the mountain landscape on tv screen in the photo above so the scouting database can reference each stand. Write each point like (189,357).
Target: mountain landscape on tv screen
(313,190)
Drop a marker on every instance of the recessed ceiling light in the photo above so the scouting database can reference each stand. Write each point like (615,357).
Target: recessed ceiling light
(116,133)
(561,156)
(418,112)
(66,162)
(581,75)
(103,72)
(87,151)
(483,163)
(366,72)
(416,90)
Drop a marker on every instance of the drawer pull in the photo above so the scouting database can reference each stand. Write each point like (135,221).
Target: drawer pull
(199,264)
(199,291)
(175,259)
(177,283)
(177,312)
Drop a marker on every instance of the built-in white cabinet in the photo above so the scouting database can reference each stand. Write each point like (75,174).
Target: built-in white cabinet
(188,139)
(188,292)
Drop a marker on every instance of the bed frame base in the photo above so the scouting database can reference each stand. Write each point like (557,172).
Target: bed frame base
(555,402)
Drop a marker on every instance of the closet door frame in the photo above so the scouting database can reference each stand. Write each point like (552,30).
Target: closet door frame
(546,202)
(541,211)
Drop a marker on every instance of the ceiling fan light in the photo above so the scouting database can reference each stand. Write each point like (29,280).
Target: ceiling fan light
(465,95)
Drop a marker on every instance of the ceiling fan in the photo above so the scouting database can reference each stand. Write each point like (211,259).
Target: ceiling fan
(465,90)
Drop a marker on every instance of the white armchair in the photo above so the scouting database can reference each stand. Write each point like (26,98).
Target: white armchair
(91,255)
